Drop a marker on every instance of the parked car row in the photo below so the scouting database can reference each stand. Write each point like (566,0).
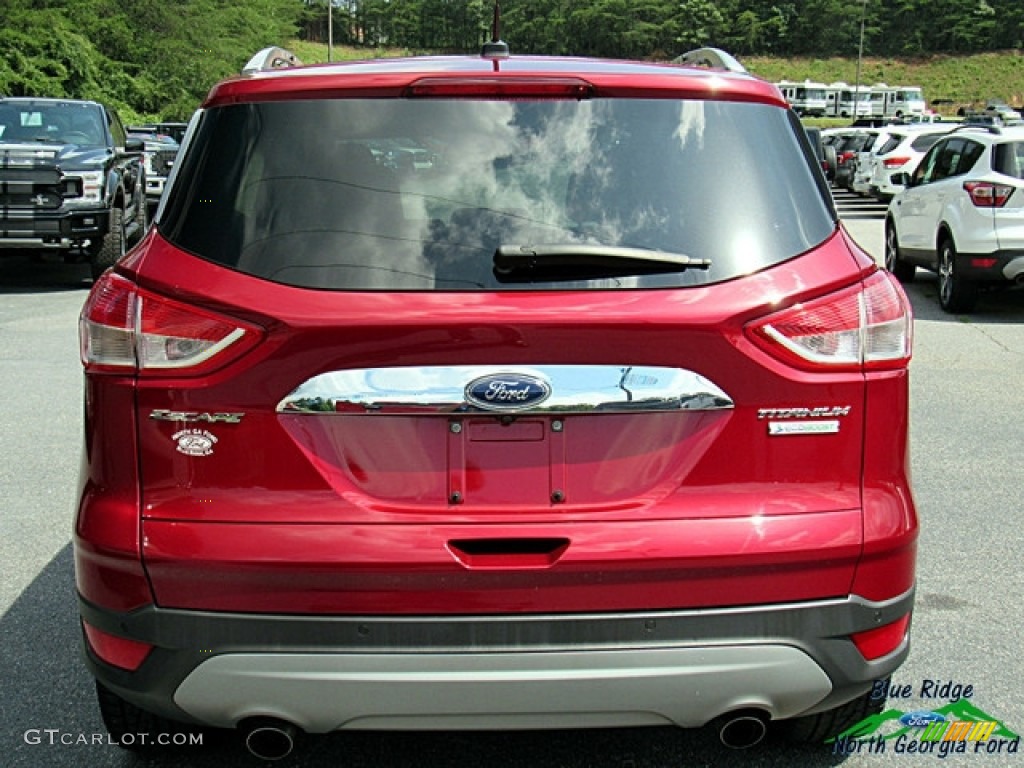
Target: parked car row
(869,159)
(956,200)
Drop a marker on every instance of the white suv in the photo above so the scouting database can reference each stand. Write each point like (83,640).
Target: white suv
(962,215)
(899,152)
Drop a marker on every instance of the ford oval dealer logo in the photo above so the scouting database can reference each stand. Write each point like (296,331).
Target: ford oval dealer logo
(507,391)
(921,718)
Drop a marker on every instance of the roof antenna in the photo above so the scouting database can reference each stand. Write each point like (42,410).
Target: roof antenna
(496,49)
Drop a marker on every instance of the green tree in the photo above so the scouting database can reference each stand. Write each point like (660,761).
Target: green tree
(155,58)
(699,23)
(158,58)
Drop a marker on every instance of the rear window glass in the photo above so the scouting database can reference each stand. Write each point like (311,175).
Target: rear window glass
(972,152)
(1008,158)
(926,142)
(854,143)
(418,194)
(890,143)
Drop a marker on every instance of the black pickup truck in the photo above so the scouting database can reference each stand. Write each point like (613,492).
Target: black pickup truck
(71,181)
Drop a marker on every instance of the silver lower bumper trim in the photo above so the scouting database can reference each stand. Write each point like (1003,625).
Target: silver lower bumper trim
(1015,269)
(323,692)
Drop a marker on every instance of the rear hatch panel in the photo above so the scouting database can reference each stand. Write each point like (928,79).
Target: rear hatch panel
(259,498)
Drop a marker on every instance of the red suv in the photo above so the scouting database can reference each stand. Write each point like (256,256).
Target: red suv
(495,392)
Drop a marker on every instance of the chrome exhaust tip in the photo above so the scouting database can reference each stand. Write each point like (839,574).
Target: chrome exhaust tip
(270,739)
(742,730)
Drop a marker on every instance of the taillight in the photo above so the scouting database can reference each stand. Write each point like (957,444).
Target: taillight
(895,162)
(124,328)
(844,157)
(868,325)
(117,651)
(985,194)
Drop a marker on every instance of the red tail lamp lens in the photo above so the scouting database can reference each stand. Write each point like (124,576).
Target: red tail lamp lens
(116,651)
(876,643)
(867,325)
(126,329)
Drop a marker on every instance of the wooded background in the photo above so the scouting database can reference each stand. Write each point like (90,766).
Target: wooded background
(158,58)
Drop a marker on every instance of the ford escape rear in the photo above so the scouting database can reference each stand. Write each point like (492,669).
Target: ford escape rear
(473,393)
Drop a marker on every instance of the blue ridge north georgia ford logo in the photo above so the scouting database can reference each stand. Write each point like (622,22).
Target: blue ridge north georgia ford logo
(507,391)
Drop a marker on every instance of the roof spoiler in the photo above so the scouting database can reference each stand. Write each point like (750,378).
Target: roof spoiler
(714,58)
(271,58)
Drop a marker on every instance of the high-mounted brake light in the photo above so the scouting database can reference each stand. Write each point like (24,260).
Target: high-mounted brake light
(501,88)
(865,326)
(126,329)
(985,194)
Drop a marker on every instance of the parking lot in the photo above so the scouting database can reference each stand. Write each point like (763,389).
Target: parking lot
(967,435)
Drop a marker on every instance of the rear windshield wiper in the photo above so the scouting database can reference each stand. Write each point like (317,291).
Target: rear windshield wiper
(529,263)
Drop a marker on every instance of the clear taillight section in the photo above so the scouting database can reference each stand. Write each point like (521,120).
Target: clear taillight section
(124,328)
(868,325)
(985,194)
(105,327)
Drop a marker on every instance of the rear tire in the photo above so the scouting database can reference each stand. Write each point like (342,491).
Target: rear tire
(902,270)
(815,729)
(831,162)
(955,293)
(112,248)
(141,214)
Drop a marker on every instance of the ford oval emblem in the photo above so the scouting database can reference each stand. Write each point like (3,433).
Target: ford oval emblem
(507,391)
(921,718)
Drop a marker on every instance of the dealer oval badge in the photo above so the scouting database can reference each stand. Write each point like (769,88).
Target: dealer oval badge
(922,718)
(194,442)
(507,391)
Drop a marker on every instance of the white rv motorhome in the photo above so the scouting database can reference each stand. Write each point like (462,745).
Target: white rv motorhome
(844,100)
(808,99)
(896,101)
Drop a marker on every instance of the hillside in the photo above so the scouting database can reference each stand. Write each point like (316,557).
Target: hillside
(154,58)
(956,80)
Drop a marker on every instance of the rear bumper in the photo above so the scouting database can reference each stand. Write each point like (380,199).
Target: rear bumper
(1014,268)
(1002,266)
(886,190)
(519,671)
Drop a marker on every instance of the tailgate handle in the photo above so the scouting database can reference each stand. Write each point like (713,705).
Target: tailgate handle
(508,552)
